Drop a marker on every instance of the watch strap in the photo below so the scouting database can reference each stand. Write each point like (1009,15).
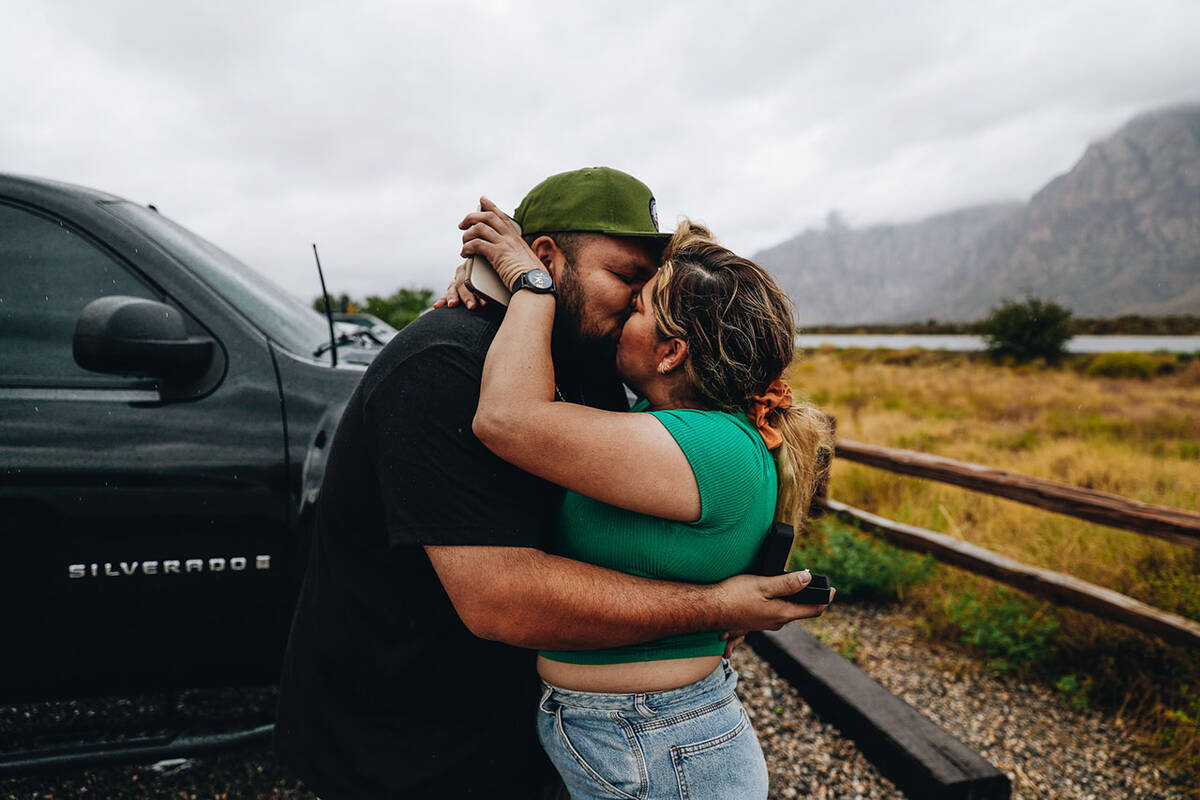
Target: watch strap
(535,280)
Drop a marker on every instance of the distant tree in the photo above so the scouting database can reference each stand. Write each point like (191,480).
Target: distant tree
(1027,330)
(396,310)
(338,304)
(400,308)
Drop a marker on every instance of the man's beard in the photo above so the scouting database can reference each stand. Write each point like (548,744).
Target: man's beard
(572,344)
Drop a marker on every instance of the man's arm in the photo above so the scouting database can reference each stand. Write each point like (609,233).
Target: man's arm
(525,597)
(480,519)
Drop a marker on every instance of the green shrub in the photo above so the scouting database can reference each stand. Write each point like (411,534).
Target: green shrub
(858,566)
(1073,692)
(1028,330)
(1015,632)
(1122,365)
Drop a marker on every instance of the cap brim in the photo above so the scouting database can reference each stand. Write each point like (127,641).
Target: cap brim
(665,237)
(657,242)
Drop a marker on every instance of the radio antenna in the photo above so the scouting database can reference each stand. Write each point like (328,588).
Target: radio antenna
(328,310)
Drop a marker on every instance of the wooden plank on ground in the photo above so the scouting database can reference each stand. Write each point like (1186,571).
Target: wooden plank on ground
(1173,524)
(920,757)
(1054,586)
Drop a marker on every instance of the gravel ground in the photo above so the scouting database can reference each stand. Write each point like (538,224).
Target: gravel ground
(1047,750)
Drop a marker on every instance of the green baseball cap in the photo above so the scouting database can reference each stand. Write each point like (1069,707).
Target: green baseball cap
(591,200)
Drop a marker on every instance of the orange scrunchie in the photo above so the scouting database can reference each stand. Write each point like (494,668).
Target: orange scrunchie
(778,395)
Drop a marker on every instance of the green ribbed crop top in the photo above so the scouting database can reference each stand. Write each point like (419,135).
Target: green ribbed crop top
(736,476)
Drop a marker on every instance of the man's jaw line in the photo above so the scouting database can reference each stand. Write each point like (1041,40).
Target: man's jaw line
(570,347)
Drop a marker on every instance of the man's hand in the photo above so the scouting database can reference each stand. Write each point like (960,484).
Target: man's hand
(496,236)
(753,602)
(528,598)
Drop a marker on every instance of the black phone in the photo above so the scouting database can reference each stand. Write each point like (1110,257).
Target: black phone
(817,593)
(772,558)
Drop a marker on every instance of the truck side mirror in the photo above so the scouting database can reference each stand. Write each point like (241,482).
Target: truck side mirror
(132,336)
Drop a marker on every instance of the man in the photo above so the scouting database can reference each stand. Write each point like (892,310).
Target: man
(401,678)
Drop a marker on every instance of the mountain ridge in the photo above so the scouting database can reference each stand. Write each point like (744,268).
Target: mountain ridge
(1118,233)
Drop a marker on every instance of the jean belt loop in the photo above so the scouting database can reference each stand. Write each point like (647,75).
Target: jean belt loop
(639,702)
(728,667)
(546,692)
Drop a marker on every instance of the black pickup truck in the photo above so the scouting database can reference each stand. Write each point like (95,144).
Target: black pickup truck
(164,413)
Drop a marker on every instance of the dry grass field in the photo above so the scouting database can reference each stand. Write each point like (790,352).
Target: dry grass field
(1139,438)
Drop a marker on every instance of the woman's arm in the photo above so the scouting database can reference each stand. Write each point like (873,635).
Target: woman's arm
(626,460)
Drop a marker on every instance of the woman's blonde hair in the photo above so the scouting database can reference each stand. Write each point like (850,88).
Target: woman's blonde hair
(741,337)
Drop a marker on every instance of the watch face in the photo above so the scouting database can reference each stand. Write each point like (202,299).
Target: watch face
(540,278)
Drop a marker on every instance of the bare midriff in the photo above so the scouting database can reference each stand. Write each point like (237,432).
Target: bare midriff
(635,676)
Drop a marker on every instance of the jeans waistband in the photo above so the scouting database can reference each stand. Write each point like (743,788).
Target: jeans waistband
(718,683)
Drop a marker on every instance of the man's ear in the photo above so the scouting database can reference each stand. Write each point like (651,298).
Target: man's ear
(548,253)
(672,353)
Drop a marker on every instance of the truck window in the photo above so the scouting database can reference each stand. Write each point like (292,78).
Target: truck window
(288,322)
(48,273)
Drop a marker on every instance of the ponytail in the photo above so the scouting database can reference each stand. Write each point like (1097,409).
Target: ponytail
(739,329)
(802,460)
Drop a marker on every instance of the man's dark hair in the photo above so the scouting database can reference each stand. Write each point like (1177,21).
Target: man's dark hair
(569,243)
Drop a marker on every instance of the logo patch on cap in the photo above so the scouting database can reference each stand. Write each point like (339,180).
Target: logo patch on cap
(654,213)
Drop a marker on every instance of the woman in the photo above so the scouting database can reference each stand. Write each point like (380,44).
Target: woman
(686,490)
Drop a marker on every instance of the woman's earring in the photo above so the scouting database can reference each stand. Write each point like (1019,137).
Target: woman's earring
(662,369)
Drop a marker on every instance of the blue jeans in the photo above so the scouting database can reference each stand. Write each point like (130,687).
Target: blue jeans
(690,743)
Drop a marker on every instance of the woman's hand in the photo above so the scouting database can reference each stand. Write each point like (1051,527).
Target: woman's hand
(458,292)
(495,236)
(732,640)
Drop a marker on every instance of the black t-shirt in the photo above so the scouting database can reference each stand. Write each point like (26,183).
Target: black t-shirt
(384,690)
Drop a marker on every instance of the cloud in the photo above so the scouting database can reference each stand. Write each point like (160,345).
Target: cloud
(372,127)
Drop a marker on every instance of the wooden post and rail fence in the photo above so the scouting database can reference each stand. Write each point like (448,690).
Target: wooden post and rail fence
(1173,525)
(919,756)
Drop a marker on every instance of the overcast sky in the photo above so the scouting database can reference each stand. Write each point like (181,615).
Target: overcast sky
(372,127)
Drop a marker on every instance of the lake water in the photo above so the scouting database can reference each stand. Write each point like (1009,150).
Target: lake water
(1078,344)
